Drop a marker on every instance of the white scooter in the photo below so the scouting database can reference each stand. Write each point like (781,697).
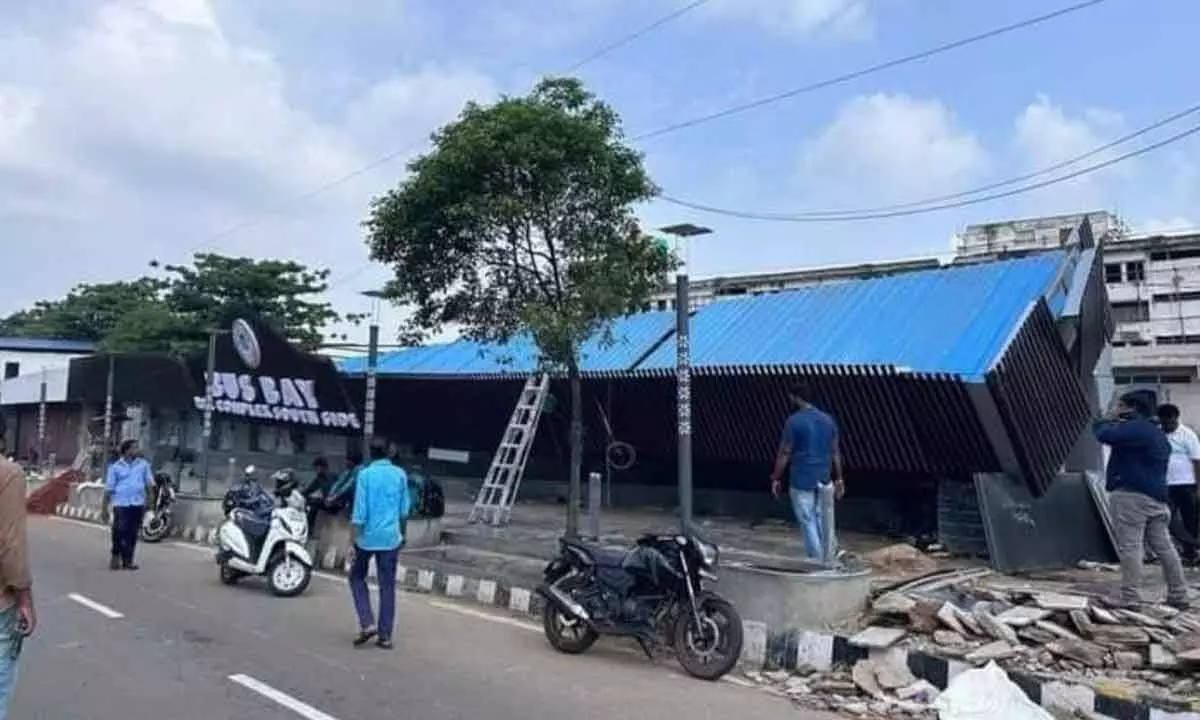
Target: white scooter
(260,538)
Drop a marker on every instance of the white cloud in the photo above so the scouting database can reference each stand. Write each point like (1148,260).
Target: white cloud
(847,19)
(889,148)
(144,127)
(1046,134)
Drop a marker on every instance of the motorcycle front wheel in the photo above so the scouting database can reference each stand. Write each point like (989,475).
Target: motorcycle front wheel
(288,577)
(711,650)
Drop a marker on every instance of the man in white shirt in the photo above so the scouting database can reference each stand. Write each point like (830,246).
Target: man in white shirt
(1182,470)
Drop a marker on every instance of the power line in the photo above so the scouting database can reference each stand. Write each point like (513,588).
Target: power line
(870,70)
(389,157)
(622,42)
(782,217)
(1010,181)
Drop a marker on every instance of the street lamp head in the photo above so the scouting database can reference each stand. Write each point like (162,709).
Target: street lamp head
(685,230)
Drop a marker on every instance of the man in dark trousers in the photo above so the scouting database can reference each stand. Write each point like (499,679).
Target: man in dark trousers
(1137,486)
(125,486)
(809,445)
(381,503)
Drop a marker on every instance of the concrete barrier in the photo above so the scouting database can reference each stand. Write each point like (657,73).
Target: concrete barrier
(800,598)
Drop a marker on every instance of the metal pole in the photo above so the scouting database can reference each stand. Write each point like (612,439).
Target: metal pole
(206,429)
(369,400)
(41,426)
(683,380)
(109,391)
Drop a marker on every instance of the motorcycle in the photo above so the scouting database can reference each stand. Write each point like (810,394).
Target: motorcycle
(260,537)
(653,593)
(156,525)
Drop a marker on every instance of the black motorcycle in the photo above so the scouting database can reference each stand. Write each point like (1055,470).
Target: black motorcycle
(653,593)
(156,525)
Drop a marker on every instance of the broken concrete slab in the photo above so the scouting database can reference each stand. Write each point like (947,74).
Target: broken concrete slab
(1162,658)
(1023,616)
(921,691)
(1105,616)
(891,671)
(878,638)
(1138,618)
(863,674)
(893,604)
(1128,660)
(1119,635)
(950,616)
(996,629)
(993,651)
(1079,650)
(949,638)
(1056,629)
(1059,602)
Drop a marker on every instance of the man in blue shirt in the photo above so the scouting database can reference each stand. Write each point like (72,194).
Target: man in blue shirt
(809,444)
(1137,485)
(125,487)
(381,502)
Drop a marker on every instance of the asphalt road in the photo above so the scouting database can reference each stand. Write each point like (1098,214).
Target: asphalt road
(171,642)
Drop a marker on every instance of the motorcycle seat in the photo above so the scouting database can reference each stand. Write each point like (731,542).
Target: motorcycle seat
(602,556)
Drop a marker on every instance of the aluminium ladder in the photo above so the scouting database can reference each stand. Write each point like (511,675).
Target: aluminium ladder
(499,490)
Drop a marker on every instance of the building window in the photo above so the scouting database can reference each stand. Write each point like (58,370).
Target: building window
(11,370)
(1135,271)
(1129,312)
(662,304)
(1112,272)
(1177,297)
(1161,255)
(1177,339)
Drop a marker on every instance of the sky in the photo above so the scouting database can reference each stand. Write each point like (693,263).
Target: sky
(140,130)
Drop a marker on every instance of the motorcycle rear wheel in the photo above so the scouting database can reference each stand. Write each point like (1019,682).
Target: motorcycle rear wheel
(155,530)
(564,633)
(711,651)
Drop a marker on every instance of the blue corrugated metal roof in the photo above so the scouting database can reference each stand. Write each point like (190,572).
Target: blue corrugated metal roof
(952,320)
(24,344)
(633,336)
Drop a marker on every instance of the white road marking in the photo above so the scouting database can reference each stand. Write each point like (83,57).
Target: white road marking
(91,604)
(471,612)
(278,697)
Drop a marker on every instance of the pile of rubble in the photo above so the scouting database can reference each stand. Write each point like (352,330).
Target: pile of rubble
(1067,636)
(881,687)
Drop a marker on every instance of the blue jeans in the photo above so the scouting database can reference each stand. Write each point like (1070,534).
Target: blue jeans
(8,661)
(385,570)
(808,517)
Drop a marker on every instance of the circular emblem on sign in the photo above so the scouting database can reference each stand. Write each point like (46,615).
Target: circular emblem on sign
(245,343)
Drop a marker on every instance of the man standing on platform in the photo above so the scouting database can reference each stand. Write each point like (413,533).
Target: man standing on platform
(125,486)
(809,445)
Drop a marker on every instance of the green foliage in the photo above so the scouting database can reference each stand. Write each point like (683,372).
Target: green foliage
(175,312)
(521,220)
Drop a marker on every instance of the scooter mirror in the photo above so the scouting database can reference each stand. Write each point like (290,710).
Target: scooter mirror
(250,471)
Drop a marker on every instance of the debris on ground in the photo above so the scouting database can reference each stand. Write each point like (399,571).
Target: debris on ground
(1151,649)
(987,694)
(901,558)
(874,689)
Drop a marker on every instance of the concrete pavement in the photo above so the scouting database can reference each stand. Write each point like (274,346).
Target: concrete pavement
(169,641)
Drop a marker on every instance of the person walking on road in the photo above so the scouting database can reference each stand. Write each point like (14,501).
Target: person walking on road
(809,444)
(1181,481)
(381,502)
(1137,486)
(125,486)
(17,616)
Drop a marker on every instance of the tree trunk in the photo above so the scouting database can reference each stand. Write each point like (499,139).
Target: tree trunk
(575,479)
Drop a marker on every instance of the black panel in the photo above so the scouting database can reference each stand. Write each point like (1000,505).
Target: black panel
(1039,398)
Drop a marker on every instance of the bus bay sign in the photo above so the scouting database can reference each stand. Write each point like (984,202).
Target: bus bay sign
(285,400)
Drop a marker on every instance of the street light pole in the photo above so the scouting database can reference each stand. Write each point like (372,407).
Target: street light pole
(206,429)
(683,370)
(372,377)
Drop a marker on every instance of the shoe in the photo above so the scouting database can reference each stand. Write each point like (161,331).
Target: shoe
(384,644)
(365,637)
(114,563)
(129,566)
(1181,605)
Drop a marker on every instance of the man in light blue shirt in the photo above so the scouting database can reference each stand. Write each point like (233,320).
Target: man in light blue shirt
(125,487)
(381,502)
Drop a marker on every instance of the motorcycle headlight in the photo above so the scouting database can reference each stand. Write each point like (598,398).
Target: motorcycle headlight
(708,553)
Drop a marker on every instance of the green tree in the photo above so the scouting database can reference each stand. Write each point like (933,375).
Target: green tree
(520,221)
(175,311)
(88,312)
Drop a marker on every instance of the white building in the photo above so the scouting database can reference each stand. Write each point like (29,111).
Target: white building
(26,362)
